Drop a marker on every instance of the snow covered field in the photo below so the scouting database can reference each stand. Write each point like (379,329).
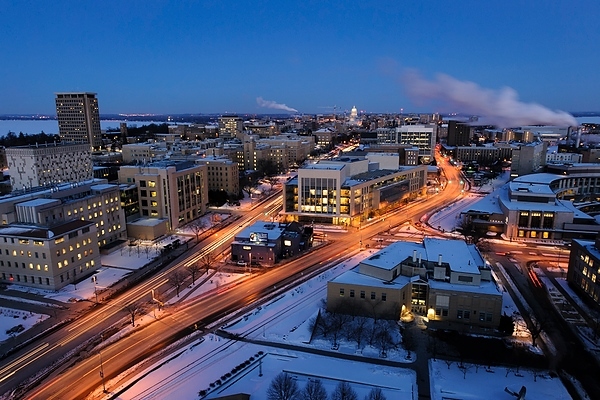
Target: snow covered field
(471,381)
(278,339)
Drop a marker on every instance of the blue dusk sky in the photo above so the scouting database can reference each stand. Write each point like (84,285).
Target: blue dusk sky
(271,56)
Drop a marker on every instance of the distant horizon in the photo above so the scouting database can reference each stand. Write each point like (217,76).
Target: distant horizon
(138,116)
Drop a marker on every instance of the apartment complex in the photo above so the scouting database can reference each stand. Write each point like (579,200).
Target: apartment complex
(79,118)
(448,281)
(49,164)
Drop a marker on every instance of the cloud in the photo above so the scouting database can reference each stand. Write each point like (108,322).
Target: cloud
(501,108)
(271,104)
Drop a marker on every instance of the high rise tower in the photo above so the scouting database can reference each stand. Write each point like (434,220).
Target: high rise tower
(79,118)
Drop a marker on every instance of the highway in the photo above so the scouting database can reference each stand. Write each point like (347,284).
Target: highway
(78,380)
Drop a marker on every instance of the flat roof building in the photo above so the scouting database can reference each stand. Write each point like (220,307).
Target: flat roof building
(79,118)
(448,281)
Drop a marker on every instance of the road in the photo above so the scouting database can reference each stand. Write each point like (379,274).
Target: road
(84,376)
(44,354)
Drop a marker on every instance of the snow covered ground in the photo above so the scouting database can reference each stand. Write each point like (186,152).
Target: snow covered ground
(470,381)
(280,341)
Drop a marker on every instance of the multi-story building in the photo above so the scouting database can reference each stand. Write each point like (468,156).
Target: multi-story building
(263,130)
(528,158)
(448,281)
(421,136)
(79,118)
(94,201)
(48,257)
(348,190)
(583,273)
(540,207)
(175,191)
(459,134)
(230,127)
(48,164)
(222,174)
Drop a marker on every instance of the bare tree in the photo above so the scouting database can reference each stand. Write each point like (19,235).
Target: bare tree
(409,341)
(535,328)
(383,339)
(207,261)
(358,330)
(134,309)
(375,394)
(197,226)
(176,279)
(464,368)
(343,391)
(314,390)
(272,181)
(283,387)
(193,270)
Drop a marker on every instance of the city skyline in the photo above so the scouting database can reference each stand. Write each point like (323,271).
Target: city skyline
(266,57)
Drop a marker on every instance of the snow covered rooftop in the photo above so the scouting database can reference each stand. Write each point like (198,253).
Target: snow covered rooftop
(454,252)
(389,257)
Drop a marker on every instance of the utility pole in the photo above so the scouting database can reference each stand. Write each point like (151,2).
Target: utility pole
(102,373)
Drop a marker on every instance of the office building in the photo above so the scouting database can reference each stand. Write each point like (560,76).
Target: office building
(48,257)
(447,281)
(348,190)
(48,164)
(583,273)
(175,192)
(222,174)
(79,118)
(230,127)
(459,134)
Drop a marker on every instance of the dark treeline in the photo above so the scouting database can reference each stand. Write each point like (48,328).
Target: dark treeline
(147,130)
(11,139)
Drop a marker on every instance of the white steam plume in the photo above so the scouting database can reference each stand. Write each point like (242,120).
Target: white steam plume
(501,108)
(271,104)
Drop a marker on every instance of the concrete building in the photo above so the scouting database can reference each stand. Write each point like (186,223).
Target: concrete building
(48,257)
(481,154)
(528,158)
(79,118)
(583,273)
(94,201)
(447,281)
(174,191)
(266,243)
(421,136)
(231,127)
(459,134)
(348,190)
(222,174)
(540,208)
(48,164)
